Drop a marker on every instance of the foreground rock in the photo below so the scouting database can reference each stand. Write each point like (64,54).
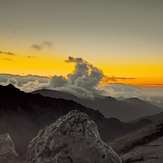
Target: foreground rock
(7,145)
(7,150)
(73,138)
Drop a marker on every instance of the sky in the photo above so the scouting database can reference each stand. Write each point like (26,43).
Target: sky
(122,40)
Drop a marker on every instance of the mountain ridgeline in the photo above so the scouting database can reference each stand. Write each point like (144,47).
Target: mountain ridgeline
(126,110)
(22,115)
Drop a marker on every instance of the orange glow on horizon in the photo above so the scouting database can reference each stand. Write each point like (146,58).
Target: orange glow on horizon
(134,73)
(133,81)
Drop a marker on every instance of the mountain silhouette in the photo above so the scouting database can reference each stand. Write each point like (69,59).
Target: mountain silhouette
(154,118)
(125,110)
(22,115)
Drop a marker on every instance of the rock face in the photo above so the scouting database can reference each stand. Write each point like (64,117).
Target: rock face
(7,150)
(73,138)
(7,145)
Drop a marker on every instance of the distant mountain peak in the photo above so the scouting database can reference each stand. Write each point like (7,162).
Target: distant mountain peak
(9,90)
(10,86)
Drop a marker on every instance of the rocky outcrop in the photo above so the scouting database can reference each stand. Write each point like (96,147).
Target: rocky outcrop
(73,138)
(21,112)
(7,150)
(7,145)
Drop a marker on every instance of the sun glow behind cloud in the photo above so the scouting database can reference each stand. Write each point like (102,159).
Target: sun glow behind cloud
(123,39)
(41,63)
(86,81)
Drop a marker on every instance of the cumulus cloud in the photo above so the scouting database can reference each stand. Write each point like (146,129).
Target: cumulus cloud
(58,81)
(82,82)
(45,44)
(85,82)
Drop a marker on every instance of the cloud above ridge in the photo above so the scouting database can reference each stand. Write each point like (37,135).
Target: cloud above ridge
(82,82)
(86,81)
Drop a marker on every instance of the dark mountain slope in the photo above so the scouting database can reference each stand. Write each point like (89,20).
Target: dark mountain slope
(56,94)
(144,145)
(22,115)
(126,110)
(153,118)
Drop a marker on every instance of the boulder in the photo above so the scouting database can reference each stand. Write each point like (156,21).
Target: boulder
(73,138)
(7,145)
(7,150)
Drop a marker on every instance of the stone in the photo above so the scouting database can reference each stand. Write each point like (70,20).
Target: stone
(7,145)
(8,153)
(73,138)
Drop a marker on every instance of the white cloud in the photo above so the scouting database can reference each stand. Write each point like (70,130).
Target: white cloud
(33,85)
(57,81)
(83,82)
(27,83)
(122,91)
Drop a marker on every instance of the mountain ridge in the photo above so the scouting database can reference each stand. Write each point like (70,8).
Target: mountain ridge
(125,110)
(22,115)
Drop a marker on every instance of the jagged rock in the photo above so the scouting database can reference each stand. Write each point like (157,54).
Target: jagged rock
(73,138)
(7,150)
(7,145)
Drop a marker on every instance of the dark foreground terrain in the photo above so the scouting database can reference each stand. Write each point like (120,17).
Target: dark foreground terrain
(73,138)
(22,115)
(145,145)
(149,153)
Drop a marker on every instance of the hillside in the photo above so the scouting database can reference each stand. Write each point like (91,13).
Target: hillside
(126,110)
(22,115)
(144,145)
(154,118)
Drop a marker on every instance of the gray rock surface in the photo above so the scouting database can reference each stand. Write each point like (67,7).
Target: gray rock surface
(73,138)
(7,145)
(7,150)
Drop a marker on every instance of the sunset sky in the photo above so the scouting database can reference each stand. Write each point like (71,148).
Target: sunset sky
(123,38)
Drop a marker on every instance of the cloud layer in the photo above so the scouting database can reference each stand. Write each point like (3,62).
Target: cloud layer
(26,83)
(83,82)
